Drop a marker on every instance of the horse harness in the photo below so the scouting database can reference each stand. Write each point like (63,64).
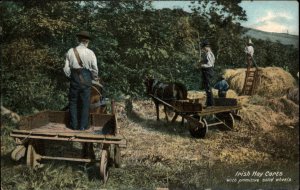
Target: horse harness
(100,102)
(157,85)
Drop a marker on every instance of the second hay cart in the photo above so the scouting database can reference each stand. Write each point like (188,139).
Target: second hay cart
(224,112)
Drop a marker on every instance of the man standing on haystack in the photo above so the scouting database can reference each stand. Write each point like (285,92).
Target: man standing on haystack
(81,68)
(207,65)
(249,50)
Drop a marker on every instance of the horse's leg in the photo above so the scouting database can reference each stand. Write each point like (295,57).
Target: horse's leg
(175,117)
(182,121)
(165,109)
(157,110)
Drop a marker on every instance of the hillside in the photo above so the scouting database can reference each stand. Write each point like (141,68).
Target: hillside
(286,39)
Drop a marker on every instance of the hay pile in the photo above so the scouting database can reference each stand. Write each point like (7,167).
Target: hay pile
(201,94)
(274,81)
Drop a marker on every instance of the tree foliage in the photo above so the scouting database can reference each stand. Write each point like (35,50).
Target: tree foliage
(130,39)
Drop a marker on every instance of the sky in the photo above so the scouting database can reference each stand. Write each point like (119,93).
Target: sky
(270,16)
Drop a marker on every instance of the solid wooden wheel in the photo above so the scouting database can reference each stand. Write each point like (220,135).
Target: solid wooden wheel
(236,115)
(230,121)
(18,152)
(200,130)
(117,156)
(32,157)
(104,165)
(227,118)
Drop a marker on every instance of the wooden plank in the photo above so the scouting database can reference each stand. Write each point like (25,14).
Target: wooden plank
(67,134)
(59,117)
(225,102)
(100,119)
(165,103)
(119,141)
(214,124)
(218,109)
(187,106)
(67,159)
(34,121)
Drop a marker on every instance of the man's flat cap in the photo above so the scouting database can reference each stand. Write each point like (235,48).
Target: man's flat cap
(84,34)
(205,43)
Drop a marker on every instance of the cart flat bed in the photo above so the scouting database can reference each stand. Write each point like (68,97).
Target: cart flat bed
(224,111)
(49,126)
(212,110)
(58,131)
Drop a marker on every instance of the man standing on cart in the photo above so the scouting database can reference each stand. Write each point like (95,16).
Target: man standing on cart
(207,64)
(81,68)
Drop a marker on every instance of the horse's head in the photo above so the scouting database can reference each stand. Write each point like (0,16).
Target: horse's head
(148,82)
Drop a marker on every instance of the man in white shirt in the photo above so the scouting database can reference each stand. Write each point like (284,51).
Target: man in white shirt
(249,50)
(81,68)
(207,65)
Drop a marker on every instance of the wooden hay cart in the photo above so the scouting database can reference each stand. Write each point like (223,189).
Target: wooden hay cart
(224,112)
(41,129)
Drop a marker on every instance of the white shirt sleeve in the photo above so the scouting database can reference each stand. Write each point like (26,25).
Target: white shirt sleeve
(67,68)
(209,61)
(94,67)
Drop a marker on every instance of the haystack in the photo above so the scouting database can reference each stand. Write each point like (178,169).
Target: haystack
(274,81)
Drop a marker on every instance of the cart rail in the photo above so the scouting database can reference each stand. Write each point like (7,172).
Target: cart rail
(206,111)
(223,114)
(74,137)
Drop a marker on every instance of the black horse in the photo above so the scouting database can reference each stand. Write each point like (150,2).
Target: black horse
(167,92)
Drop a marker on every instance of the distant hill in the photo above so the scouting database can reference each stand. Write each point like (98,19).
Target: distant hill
(286,39)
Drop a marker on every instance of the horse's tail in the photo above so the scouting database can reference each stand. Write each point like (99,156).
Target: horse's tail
(183,91)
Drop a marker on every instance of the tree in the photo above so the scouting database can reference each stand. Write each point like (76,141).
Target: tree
(130,39)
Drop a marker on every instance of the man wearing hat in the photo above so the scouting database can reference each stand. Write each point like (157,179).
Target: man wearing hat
(81,68)
(249,50)
(207,65)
